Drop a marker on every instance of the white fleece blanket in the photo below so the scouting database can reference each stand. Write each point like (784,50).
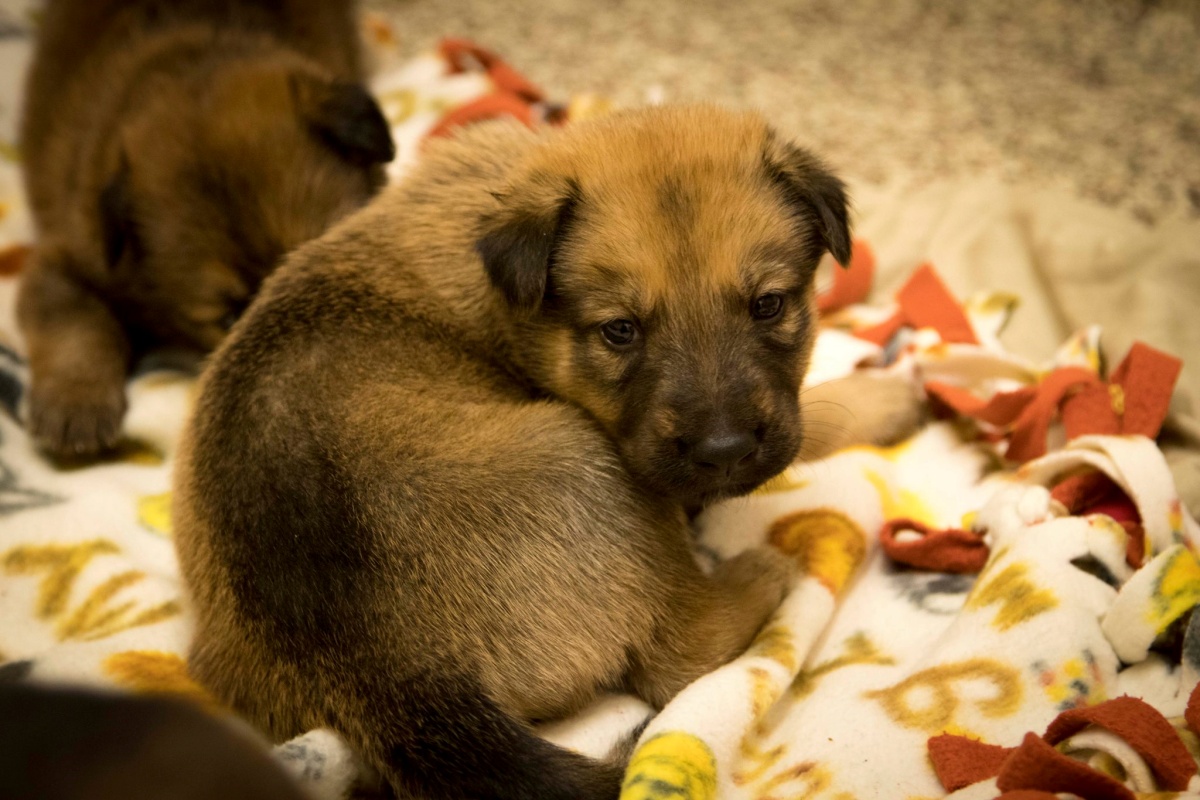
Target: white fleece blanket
(866,659)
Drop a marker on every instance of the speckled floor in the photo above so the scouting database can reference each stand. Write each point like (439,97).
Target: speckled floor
(1102,98)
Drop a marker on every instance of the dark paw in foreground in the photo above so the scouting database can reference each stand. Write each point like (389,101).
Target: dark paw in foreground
(78,423)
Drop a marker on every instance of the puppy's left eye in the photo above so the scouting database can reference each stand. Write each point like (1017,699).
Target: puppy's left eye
(767,306)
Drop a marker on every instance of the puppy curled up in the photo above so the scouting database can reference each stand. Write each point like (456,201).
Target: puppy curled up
(437,483)
(173,151)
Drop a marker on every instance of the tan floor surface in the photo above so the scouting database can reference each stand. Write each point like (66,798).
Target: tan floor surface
(1102,98)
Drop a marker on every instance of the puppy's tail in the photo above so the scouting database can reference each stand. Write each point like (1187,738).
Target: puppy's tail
(440,736)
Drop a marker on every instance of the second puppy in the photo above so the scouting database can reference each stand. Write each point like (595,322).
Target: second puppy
(174,150)
(436,484)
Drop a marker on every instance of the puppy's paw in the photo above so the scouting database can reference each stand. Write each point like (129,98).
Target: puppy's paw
(74,420)
(761,577)
(862,408)
(894,410)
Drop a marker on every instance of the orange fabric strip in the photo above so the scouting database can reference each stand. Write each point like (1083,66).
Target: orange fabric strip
(927,303)
(1000,409)
(883,332)
(1029,432)
(1090,411)
(1147,378)
(852,283)
(490,106)
(506,79)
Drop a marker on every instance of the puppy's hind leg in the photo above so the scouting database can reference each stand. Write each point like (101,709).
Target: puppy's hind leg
(712,620)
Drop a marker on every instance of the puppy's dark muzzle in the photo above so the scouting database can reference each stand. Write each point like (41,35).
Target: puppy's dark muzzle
(721,452)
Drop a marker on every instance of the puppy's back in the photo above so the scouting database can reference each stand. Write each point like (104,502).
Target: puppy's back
(77,40)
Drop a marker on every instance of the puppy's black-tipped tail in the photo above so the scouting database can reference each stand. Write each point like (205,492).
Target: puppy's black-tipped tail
(440,736)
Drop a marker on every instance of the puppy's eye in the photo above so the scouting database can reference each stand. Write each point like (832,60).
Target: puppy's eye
(619,333)
(232,314)
(767,306)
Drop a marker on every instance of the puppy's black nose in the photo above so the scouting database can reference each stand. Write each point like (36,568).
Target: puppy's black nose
(723,449)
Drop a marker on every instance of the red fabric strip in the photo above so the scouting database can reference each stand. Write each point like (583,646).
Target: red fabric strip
(1135,544)
(959,761)
(1079,493)
(948,550)
(1192,715)
(1037,765)
(1031,428)
(1143,727)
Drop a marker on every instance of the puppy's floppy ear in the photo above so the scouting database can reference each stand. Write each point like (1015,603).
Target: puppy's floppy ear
(344,116)
(517,242)
(813,190)
(116,215)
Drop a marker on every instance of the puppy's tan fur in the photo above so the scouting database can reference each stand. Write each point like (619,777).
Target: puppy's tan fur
(424,502)
(173,151)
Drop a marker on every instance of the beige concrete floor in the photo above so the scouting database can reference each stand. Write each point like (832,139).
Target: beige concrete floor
(1101,98)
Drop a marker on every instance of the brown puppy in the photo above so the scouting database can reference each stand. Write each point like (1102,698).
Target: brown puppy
(435,485)
(174,150)
(63,743)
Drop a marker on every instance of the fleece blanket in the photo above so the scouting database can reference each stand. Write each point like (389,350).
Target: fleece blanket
(999,606)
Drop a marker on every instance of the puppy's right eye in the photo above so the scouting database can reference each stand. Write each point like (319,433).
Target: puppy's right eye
(619,333)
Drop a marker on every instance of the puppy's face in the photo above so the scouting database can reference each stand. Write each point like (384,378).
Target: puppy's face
(660,268)
(217,183)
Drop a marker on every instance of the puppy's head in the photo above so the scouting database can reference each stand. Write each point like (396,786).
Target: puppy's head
(659,267)
(217,179)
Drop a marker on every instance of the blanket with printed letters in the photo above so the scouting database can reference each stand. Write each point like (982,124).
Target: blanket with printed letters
(1001,606)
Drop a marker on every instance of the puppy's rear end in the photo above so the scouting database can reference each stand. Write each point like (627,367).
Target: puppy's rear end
(343,630)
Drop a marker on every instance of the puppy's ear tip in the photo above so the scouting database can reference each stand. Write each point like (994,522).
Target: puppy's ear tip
(346,117)
(842,251)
